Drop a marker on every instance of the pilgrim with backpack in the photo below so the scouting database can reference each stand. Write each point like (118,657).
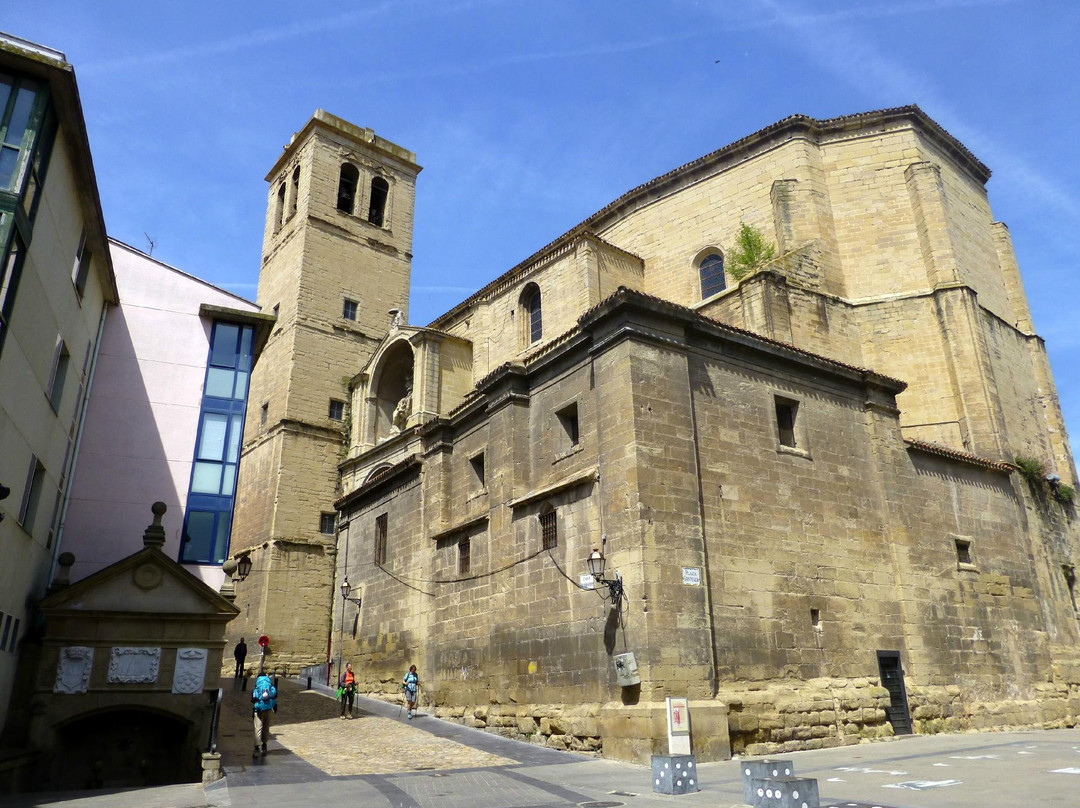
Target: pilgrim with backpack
(264,702)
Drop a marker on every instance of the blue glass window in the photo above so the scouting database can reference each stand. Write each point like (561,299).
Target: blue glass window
(211,495)
(712,275)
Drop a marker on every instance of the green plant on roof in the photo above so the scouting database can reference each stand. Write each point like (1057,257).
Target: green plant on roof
(750,253)
(1031,469)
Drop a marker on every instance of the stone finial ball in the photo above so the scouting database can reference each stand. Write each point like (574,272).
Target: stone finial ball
(66,559)
(229,567)
(158,508)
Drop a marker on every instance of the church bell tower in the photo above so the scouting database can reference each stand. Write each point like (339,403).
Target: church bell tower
(336,259)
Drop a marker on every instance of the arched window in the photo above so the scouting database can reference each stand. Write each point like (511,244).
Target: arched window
(346,189)
(295,191)
(532,314)
(279,209)
(380,189)
(712,275)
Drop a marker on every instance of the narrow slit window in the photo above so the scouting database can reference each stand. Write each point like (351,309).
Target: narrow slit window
(815,618)
(348,309)
(477,465)
(337,410)
(464,549)
(786,413)
(568,420)
(380,539)
(963,552)
(327,523)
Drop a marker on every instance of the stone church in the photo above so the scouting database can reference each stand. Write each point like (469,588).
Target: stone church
(832,495)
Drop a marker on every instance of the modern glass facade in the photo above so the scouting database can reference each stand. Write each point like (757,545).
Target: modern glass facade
(211,495)
(27,132)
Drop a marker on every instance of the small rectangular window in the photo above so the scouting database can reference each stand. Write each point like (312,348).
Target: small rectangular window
(327,523)
(348,309)
(786,412)
(568,420)
(477,465)
(14,634)
(380,539)
(815,618)
(337,409)
(80,271)
(464,547)
(549,530)
(7,630)
(264,411)
(58,375)
(35,481)
(963,552)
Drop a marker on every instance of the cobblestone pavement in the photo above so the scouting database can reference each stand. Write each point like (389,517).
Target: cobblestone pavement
(382,761)
(308,726)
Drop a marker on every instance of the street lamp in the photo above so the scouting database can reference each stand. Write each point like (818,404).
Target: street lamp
(243,567)
(346,588)
(596,563)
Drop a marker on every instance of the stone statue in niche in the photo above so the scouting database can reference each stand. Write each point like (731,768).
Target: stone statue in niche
(402,412)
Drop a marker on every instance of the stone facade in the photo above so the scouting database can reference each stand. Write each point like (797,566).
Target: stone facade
(811,551)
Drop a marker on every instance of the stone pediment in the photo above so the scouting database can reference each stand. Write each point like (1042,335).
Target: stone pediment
(147,582)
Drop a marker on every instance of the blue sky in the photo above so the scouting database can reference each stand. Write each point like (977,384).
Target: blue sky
(529,116)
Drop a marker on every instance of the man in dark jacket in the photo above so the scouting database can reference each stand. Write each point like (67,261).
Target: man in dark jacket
(240,654)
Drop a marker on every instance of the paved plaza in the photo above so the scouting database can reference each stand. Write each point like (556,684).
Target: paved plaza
(382,760)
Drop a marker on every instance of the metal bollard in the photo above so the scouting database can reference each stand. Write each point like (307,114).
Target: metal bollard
(308,683)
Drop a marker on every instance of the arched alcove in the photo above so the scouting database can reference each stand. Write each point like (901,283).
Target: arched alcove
(125,747)
(392,391)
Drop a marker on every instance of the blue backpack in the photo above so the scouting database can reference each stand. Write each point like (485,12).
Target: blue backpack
(264,694)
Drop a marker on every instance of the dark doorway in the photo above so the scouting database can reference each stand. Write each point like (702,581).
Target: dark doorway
(124,748)
(892,679)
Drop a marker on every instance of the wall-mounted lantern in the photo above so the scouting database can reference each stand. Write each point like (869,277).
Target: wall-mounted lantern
(596,563)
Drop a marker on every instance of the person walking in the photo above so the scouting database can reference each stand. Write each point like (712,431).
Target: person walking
(347,687)
(239,654)
(264,703)
(410,683)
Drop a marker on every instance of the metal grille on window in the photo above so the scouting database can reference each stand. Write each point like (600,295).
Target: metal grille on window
(549,532)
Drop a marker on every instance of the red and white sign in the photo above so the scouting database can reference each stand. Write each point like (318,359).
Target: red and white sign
(264,641)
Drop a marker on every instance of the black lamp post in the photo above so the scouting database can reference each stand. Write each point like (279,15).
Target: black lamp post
(243,567)
(346,588)
(596,563)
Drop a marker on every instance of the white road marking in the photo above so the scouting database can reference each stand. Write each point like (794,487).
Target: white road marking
(922,785)
(1070,770)
(868,771)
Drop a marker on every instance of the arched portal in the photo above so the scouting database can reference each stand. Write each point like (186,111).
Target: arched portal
(393,391)
(124,748)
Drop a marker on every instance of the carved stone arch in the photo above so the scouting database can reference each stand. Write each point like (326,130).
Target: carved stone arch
(390,394)
(377,472)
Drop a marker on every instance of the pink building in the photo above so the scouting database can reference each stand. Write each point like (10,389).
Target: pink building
(164,419)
